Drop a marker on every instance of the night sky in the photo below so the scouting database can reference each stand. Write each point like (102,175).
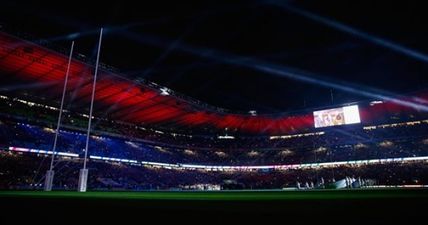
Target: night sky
(152,41)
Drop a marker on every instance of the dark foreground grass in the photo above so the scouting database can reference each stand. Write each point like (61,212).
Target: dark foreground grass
(380,206)
(229,195)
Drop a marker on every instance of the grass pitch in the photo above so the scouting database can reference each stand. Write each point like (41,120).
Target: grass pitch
(229,195)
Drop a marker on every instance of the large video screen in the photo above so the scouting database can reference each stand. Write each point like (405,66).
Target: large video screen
(337,116)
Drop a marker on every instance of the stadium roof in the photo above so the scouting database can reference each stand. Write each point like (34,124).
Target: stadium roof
(172,44)
(41,71)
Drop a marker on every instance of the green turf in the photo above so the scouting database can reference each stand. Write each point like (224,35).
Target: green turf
(229,195)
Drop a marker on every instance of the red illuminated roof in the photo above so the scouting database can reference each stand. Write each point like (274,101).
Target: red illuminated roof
(126,100)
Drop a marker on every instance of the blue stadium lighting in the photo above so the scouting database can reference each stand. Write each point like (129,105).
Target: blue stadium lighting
(73,36)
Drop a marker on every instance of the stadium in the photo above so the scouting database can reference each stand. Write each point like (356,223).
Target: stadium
(250,109)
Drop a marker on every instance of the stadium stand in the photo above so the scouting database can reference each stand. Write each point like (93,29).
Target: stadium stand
(118,156)
(154,136)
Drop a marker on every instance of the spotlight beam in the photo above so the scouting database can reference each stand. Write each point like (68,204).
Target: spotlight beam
(393,46)
(277,70)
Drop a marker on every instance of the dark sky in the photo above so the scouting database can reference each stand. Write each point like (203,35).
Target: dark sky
(153,36)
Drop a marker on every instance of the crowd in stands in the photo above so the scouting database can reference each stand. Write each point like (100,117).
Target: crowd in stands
(33,129)
(46,116)
(332,145)
(24,171)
